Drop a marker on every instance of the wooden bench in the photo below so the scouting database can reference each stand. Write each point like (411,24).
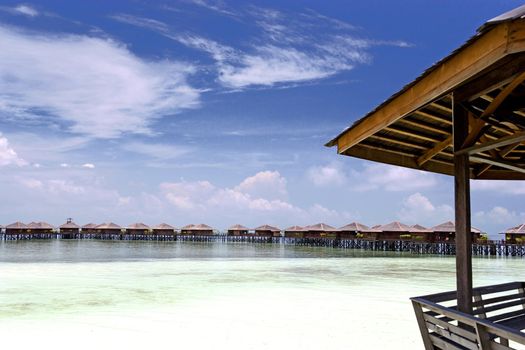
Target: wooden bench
(496,321)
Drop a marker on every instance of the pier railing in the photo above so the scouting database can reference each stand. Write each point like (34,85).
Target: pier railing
(495,324)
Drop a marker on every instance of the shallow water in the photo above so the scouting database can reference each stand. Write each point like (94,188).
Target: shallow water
(104,294)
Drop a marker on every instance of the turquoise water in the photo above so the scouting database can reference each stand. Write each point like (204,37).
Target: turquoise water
(236,296)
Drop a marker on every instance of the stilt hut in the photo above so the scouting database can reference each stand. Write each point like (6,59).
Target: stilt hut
(88,230)
(515,234)
(163,230)
(320,230)
(137,229)
(294,232)
(268,231)
(394,231)
(17,229)
(421,234)
(462,117)
(446,232)
(41,229)
(109,230)
(197,230)
(352,230)
(69,229)
(238,230)
(372,233)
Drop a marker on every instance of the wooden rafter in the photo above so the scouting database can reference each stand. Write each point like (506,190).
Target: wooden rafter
(491,145)
(477,128)
(434,151)
(500,162)
(503,153)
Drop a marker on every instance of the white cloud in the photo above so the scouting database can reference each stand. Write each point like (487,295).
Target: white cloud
(88,165)
(8,156)
(499,186)
(267,184)
(392,178)
(328,175)
(417,208)
(94,86)
(26,10)
(64,165)
(500,215)
(31,183)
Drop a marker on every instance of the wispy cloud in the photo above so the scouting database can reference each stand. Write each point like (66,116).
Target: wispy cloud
(287,47)
(22,9)
(156,150)
(98,89)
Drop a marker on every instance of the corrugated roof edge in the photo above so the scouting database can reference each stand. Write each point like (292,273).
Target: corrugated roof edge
(516,13)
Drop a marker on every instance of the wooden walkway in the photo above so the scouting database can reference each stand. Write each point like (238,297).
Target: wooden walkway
(491,248)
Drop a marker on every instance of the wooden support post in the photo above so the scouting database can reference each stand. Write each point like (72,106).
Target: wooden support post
(462,205)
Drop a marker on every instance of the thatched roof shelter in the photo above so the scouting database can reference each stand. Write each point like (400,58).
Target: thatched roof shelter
(267,228)
(516,230)
(419,229)
(394,226)
(294,228)
(41,225)
(108,226)
(17,226)
(238,227)
(89,226)
(198,229)
(163,226)
(70,225)
(450,227)
(138,226)
(321,227)
(354,227)
(464,116)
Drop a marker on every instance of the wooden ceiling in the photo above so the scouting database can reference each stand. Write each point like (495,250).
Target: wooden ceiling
(414,127)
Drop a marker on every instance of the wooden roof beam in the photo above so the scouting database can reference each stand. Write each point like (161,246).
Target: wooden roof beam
(517,138)
(441,146)
(501,163)
(424,126)
(503,153)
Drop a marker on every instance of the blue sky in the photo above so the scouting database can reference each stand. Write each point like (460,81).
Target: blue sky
(217,111)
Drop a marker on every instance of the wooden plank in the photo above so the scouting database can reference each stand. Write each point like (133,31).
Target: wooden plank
(500,162)
(514,139)
(483,337)
(453,337)
(424,126)
(396,141)
(488,301)
(463,65)
(395,158)
(409,133)
(451,328)
(462,213)
(422,326)
(434,151)
(442,344)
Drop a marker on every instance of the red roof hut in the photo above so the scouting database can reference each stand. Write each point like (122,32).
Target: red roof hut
(268,231)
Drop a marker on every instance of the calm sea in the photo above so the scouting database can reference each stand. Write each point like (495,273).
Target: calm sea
(166,295)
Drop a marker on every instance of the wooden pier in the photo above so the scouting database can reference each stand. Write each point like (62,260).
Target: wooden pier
(489,248)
